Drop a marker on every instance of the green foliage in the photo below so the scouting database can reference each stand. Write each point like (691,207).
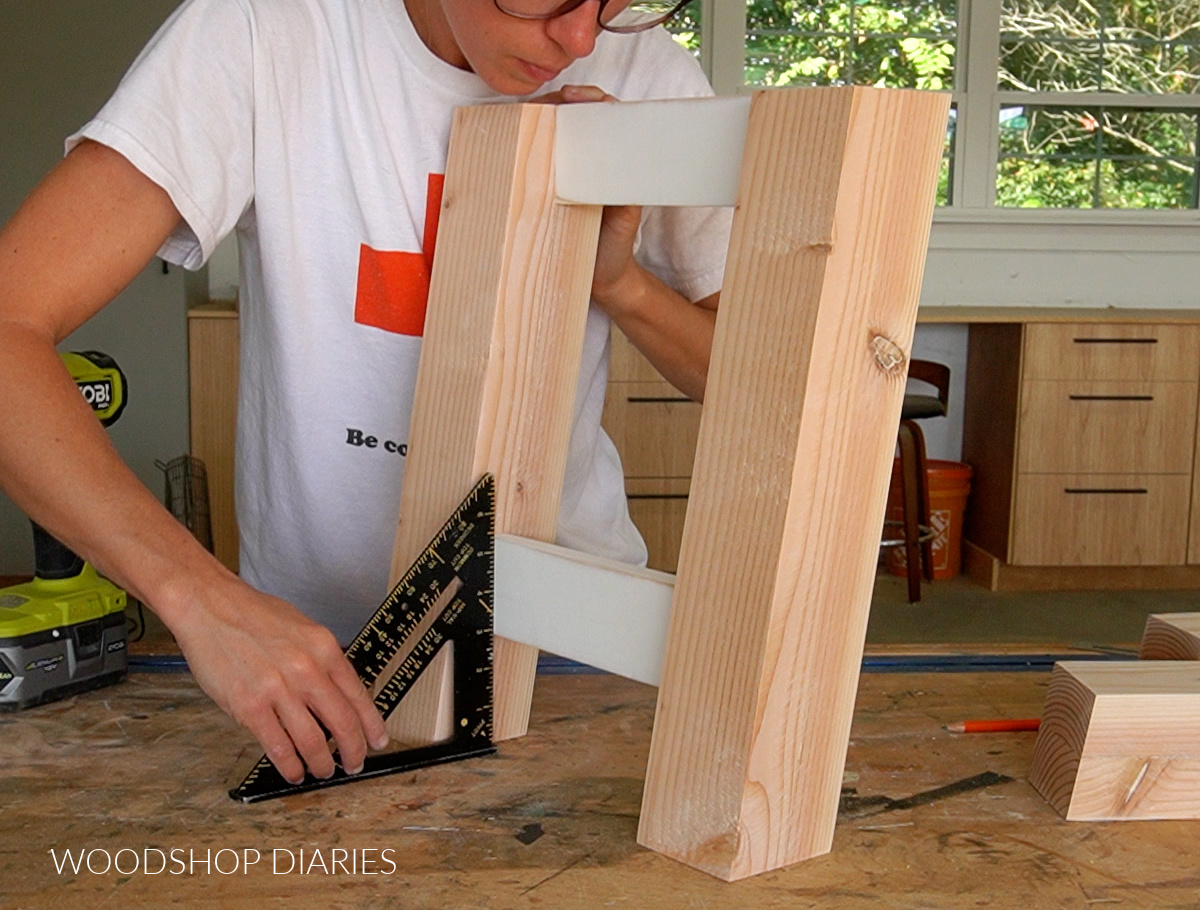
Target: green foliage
(806,42)
(1099,157)
(1068,157)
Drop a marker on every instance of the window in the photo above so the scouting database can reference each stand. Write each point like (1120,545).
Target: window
(1081,86)
(1056,104)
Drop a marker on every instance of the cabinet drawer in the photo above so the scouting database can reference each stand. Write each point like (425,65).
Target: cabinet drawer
(1099,351)
(626,363)
(654,427)
(1100,519)
(659,508)
(1107,427)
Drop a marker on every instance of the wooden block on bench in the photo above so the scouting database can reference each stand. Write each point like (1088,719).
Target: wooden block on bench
(1121,741)
(1171,636)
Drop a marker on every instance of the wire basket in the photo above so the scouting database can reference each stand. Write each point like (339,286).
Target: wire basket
(186,496)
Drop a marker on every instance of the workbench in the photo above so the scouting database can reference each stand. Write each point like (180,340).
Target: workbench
(929,819)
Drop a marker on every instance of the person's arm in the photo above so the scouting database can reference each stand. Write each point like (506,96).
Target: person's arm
(82,235)
(674,334)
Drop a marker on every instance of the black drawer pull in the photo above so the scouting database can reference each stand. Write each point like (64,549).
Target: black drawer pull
(1111,397)
(663,400)
(656,496)
(1116,341)
(1137,491)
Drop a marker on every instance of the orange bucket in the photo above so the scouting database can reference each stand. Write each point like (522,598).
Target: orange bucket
(949,485)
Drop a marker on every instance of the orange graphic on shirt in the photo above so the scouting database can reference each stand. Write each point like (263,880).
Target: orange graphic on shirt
(393,287)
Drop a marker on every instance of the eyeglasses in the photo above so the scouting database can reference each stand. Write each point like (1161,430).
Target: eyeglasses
(632,17)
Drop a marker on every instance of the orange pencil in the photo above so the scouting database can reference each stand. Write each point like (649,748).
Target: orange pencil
(995,726)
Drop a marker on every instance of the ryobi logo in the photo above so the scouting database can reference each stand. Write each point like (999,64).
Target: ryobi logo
(97,393)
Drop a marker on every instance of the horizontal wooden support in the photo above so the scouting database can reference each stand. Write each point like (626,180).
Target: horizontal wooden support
(597,611)
(1171,636)
(679,152)
(1121,741)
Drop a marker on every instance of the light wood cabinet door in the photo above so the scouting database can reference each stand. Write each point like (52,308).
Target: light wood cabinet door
(1107,427)
(1112,351)
(654,427)
(659,509)
(1101,519)
(213,379)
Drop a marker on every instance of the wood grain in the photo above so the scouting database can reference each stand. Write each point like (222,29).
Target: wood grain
(500,360)
(1121,741)
(1193,552)
(1171,636)
(1101,519)
(1114,427)
(979,315)
(993,389)
(796,440)
(460,834)
(654,427)
(212,386)
(658,506)
(1106,351)
(995,575)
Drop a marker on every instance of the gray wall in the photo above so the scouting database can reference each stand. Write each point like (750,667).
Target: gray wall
(59,61)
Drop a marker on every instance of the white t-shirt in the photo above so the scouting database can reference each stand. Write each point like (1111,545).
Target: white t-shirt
(316,129)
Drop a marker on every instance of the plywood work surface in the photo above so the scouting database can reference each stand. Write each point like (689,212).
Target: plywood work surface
(550,821)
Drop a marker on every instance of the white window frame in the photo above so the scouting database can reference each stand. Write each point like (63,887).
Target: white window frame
(978,101)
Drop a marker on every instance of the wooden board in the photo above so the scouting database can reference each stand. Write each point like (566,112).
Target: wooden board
(1106,351)
(549,822)
(1121,741)
(687,151)
(1122,427)
(795,452)
(990,434)
(1101,519)
(499,365)
(600,612)
(212,382)
(995,575)
(1171,636)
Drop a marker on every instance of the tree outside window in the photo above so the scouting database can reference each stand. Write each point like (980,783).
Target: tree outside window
(1079,104)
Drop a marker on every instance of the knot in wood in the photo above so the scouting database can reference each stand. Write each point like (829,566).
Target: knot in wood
(889,355)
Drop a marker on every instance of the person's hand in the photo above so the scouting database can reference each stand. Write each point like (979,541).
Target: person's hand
(616,280)
(574,94)
(281,676)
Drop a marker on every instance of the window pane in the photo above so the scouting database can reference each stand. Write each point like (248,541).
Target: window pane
(1162,183)
(1076,157)
(807,42)
(1045,183)
(1066,65)
(1145,46)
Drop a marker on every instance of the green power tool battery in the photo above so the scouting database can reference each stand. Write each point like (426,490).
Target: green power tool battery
(59,637)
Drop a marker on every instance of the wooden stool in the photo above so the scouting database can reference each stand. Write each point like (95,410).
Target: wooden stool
(914,480)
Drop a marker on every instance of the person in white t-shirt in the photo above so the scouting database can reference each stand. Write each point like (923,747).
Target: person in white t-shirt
(317,131)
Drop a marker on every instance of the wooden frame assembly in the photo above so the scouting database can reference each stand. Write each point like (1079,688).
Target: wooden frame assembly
(834,201)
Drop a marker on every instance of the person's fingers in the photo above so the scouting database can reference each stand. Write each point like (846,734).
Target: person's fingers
(574,94)
(263,723)
(369,719)
(308,738)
